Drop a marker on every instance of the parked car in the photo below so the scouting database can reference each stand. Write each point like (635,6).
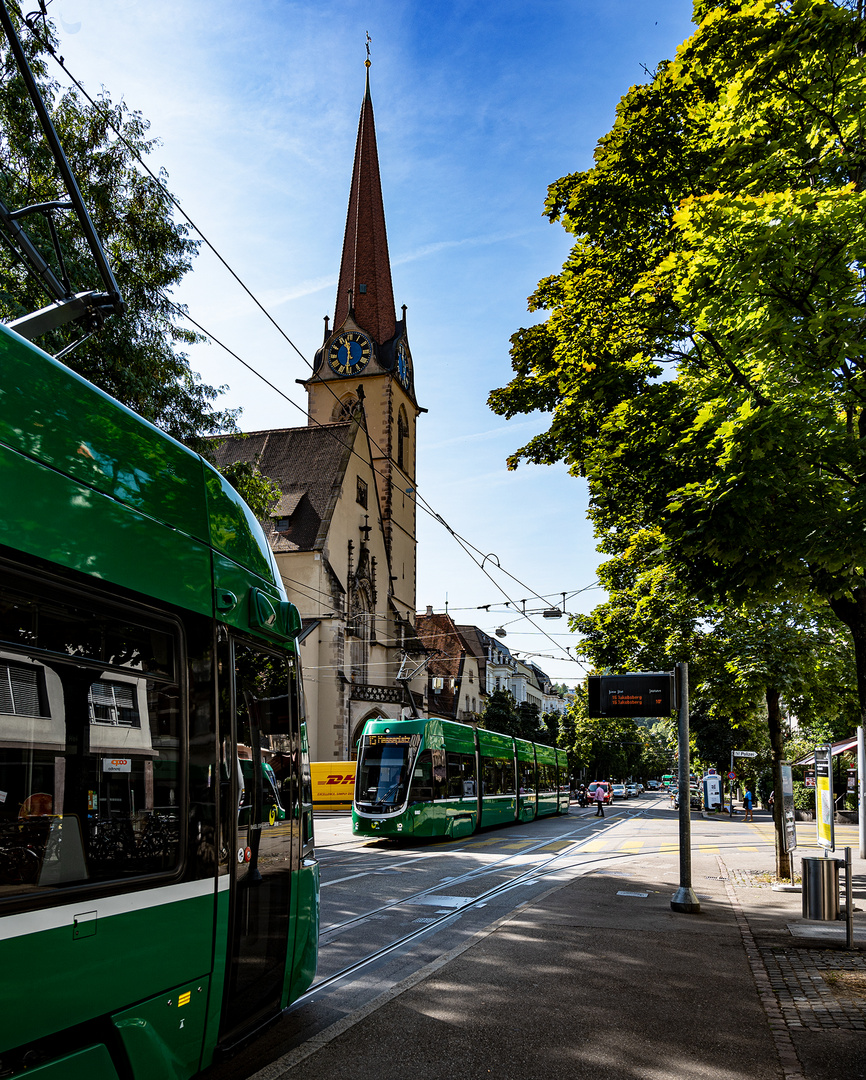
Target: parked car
(653,785)
(640,789)
(632,791)
(695,800)
(619,791)
(605,786)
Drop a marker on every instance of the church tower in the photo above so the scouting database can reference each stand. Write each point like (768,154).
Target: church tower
(365,364)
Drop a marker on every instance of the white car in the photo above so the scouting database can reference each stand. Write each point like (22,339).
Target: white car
(618,791)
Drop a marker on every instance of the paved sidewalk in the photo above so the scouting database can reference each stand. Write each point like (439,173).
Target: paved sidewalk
(599,978)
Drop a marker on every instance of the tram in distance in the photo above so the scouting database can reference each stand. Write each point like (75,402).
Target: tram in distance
(158,882)
(427,778)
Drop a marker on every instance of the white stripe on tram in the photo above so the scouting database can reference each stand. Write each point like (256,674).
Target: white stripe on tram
(53,918)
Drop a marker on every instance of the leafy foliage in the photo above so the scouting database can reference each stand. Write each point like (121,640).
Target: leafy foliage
(702,357)
(138,358)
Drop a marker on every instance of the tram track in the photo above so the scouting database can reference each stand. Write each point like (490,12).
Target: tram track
(538,870)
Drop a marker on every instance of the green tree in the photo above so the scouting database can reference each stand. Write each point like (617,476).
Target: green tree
(500,713)
(138,358)
(743,663)
(702,358)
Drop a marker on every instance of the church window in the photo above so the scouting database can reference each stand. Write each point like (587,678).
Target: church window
(345,408)
(402,437)
(361,496)
(360,628)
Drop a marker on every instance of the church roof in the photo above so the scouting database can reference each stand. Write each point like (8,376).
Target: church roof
(365,268)
(309,464)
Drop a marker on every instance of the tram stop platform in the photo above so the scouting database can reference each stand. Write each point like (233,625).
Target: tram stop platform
(599,978)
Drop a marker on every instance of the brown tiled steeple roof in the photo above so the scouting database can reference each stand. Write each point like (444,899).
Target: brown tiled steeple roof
(365,246)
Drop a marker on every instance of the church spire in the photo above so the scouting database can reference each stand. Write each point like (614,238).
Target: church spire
(365,269)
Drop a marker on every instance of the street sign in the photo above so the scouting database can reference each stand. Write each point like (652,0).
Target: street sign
(745,753)
(642,693)
(732,775)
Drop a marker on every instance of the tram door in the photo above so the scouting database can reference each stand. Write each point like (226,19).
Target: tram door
(266,794)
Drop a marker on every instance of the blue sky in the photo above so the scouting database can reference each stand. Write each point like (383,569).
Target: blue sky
(479,106)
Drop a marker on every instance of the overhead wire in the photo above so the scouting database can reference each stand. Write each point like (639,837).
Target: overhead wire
(467,546)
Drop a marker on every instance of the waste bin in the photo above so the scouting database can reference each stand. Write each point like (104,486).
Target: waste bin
(821,889)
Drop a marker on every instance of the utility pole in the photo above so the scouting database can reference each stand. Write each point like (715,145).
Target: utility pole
(684,899)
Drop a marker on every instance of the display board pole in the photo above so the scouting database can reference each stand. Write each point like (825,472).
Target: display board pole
(861,789)
(684,899)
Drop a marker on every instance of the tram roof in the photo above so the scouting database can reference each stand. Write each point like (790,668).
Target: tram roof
(166,505)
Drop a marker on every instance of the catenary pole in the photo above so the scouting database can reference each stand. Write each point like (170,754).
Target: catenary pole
(861,789)
(684,899)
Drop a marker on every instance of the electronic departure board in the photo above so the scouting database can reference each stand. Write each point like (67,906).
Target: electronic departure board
(644,693)
(388,740)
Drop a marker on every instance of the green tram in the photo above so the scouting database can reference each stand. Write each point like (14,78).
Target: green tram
(428,778)
(158,883)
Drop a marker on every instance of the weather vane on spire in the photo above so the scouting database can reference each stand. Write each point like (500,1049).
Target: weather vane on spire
(369,39)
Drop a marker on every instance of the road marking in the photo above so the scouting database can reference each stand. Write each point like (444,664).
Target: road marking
(709,849)
(747,849)
(594,845)
(559,845)
(631,845)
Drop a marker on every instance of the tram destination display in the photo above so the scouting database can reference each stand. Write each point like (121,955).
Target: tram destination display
(643,693)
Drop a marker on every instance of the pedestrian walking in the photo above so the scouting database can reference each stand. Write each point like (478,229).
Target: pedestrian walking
(599,800)
(747,805)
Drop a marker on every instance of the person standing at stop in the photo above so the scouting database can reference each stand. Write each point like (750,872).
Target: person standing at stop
(599,800)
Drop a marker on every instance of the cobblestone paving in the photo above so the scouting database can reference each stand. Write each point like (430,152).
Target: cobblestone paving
(805,998)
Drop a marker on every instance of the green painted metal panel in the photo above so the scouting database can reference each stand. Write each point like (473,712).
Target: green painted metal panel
(492,744)
(46,514)
(218,976)
(132,956)
(459,738)
(460,825)
(525,750)
(545,755)
(232,578)
(163,1036)
(93,1063)
(303,966)
(498,810)
(234,529)
(58,418)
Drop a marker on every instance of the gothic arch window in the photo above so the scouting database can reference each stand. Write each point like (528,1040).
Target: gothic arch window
(359,631)
(373,714)
(402,438)
(345,408)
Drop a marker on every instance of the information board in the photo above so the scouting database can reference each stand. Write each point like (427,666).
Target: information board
(644,693)
(824,797)
(789,829)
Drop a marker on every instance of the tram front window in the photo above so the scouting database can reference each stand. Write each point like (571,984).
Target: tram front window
(382,776)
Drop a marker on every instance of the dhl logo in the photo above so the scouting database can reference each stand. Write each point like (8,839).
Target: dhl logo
(336,778)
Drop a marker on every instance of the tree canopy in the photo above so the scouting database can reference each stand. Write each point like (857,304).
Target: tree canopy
(138,358)
(702,357)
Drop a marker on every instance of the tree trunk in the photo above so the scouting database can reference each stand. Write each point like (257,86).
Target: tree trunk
(774,721)
(851,610)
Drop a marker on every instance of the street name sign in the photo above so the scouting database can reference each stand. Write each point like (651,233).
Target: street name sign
(745,753)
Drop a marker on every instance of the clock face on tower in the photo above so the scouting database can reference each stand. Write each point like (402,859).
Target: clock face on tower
(404,364)
(349,353)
